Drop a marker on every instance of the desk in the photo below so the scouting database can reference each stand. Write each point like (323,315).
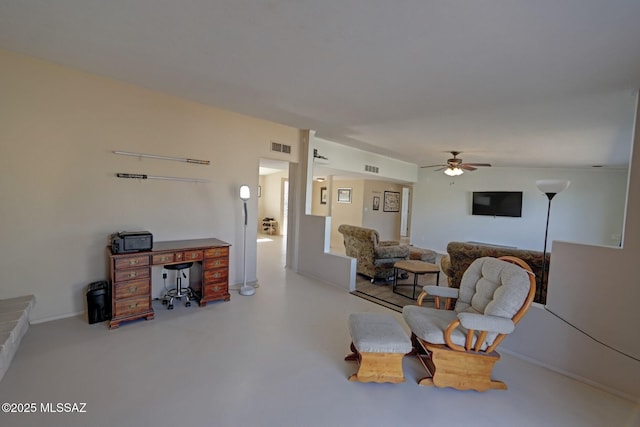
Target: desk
(131,275)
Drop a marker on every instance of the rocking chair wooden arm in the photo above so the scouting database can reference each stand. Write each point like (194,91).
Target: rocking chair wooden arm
(478,323)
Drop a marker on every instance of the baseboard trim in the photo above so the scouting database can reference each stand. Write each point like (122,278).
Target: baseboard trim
(634,399)
(52,318)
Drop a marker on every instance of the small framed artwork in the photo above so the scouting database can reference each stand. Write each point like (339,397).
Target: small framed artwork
(344,195)
(323,195)
(391,201)
(376,203)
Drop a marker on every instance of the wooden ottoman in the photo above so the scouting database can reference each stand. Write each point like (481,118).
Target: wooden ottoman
(378,343)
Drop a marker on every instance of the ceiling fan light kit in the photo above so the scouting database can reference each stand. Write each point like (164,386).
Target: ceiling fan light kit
(453,171)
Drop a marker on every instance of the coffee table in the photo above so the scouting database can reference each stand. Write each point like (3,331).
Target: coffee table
(417,268)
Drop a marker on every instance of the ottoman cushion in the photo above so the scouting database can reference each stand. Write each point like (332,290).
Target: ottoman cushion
(378,333)
(426,255)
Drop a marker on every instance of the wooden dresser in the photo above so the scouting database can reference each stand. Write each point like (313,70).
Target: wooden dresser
(131,275)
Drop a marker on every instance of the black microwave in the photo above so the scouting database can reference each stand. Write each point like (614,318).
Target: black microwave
(131,241)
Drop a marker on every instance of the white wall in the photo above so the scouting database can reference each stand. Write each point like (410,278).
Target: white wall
(590,211)
(348,159)
(386,223)
(61,200)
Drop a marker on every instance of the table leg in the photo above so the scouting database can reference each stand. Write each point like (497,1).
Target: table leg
(415,283)
(395,279)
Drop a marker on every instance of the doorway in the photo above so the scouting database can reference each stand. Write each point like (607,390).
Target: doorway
(273,206)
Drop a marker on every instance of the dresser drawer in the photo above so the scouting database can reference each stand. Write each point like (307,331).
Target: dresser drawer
(131,273)
(216,252)
(192,256)
(131,306)
(216,263)
(132,261)
(216,290)
(164,258)
(215,276)
(131,289)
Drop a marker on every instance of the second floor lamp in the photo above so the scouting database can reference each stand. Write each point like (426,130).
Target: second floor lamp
(550,187)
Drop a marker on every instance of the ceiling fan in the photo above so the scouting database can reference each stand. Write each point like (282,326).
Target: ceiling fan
(455,166)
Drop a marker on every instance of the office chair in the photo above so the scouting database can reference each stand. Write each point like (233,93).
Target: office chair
(179,291)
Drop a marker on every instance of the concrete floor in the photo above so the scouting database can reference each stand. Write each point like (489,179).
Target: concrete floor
(271,359)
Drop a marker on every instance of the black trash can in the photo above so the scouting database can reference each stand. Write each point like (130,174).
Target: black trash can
(98,302)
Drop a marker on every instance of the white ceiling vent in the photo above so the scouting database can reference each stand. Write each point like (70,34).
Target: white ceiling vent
(370,168)
(280,148)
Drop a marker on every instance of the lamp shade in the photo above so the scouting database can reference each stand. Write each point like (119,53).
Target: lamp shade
(245,192)
(552,186)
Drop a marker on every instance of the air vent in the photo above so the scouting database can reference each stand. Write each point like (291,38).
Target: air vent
(280,148)
(370,168)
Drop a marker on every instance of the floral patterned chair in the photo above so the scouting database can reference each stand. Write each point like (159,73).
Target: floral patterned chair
(461,255)
(375,258)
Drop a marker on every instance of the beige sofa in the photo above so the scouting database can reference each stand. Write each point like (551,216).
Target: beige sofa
(460,255)
(375,258)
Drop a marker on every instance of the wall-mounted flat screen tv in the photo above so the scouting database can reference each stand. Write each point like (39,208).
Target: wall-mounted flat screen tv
(497,203)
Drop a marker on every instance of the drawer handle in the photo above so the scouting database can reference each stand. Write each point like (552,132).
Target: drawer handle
(217,263)
(216,275)
(194,256)
(133,262)
(132,306)
(133,274)
(216,289)
(134,289)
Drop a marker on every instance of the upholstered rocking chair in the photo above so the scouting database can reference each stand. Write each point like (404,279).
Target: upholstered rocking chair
(458,347)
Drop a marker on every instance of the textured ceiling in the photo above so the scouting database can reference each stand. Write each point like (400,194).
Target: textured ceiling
(526,83)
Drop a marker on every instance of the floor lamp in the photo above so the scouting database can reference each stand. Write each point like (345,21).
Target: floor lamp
(550,187)
(245,194)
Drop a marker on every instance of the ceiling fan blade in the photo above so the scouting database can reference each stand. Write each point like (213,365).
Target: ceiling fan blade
(441,168)
(467,167)
(477,164)
(433,166)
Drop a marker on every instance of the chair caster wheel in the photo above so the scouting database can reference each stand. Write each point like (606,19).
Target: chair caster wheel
(164,302)
(170,307)
(187,304)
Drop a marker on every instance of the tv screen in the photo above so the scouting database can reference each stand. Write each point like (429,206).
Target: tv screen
(497,203)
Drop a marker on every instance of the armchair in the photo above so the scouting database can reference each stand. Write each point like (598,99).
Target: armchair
(458,346)
(375,258)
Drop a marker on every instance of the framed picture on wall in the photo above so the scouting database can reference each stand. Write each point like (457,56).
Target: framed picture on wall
(391,201)
(323,195)
(344,195)
(376,203)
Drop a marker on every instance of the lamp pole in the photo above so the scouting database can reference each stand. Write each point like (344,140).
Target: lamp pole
(546,234)
(245,194)
(550,187)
